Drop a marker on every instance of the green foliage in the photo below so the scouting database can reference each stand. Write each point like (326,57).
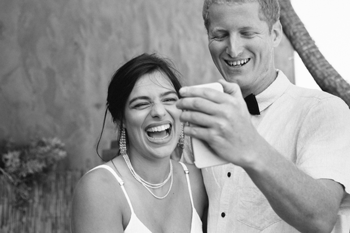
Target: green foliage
(24,165)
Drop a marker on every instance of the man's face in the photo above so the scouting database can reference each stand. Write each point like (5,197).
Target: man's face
(242,46)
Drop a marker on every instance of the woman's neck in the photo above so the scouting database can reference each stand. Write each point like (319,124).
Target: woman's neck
(151,170)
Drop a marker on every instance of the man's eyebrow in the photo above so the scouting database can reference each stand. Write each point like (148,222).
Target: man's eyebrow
(147,98)
(217,29)
(247,28)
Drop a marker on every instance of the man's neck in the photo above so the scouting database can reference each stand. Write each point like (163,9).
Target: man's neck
(262,85)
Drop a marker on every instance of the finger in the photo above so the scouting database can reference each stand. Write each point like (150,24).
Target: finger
(231,88)
(197,104)
(234,91)
(204,92)
(198,118)
(201,133)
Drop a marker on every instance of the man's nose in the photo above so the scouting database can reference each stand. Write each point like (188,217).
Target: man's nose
(235,46)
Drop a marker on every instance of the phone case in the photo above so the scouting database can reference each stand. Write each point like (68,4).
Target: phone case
(203,154)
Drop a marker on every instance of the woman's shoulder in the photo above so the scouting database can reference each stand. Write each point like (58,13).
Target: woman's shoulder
(197,187)
(194,172)
(100,175)
(196,179)
(97,195)
(97,183)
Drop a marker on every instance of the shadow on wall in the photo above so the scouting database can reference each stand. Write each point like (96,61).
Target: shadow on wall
(58,56)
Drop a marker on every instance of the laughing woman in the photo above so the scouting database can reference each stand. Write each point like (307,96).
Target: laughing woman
(142,189)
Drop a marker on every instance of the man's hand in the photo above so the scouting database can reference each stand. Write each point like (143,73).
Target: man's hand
(222,120)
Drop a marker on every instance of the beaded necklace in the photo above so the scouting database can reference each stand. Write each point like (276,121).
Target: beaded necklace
(147,184)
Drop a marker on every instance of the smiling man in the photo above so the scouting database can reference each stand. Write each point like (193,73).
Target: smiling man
(289,162)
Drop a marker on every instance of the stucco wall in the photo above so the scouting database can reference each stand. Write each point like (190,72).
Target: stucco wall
(57,57)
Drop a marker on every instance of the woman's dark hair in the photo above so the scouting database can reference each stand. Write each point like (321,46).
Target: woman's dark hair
(124,79)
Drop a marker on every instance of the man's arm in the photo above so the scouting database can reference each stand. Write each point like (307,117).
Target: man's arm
(308,204)
(222,120)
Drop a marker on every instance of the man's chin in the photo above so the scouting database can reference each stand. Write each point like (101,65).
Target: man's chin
(232,78)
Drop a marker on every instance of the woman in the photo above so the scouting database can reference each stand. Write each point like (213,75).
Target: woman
(142,189)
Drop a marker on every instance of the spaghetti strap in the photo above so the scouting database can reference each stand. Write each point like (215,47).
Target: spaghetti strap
(120,181)
(188,181)
(196,223)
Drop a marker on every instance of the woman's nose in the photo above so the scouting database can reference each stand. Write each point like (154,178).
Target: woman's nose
(158,110)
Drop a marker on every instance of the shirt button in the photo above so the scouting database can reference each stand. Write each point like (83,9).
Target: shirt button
(229,174)
(223,214)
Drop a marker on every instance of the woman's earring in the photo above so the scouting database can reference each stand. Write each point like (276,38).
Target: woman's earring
(181,139)
(122,142)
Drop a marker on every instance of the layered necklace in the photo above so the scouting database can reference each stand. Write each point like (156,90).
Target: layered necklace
(149,186)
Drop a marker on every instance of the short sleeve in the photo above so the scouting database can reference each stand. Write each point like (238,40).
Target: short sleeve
(324,141)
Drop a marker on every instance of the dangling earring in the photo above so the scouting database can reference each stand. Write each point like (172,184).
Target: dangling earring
(122,142)
(182,138)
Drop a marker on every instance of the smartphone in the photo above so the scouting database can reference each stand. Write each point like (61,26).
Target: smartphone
(204,156)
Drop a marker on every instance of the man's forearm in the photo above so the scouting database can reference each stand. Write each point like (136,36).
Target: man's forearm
(307,204)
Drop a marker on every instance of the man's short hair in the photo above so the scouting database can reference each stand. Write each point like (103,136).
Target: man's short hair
(269,10)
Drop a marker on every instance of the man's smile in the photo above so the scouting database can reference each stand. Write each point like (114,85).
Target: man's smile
(237,63)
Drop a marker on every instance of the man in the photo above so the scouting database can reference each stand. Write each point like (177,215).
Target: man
(289,165)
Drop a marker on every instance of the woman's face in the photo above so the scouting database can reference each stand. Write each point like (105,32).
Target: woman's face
(152,120)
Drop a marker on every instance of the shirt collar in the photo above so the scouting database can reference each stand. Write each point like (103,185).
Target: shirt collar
(274,91)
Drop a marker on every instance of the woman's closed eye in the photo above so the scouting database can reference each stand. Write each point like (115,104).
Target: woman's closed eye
(170,100)
(141,105)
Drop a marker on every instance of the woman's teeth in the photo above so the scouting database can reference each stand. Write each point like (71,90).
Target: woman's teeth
(159,132)
(159,128)
(238,63)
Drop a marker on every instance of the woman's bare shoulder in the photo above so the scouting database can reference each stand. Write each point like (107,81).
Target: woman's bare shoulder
(196,178)
(194,171)
(97,178)
(97,197)
(198,189)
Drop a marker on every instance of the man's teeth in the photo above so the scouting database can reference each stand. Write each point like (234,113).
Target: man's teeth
(237,63)
(159,128)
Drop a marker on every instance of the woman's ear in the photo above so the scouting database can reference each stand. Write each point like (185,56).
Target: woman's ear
(277,33)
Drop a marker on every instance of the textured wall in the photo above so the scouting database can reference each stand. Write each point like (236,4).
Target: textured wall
(57,57)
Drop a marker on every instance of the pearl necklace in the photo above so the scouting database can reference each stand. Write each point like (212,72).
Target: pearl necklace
(149,185)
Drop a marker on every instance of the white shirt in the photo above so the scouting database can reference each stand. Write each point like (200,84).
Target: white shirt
(310,128)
